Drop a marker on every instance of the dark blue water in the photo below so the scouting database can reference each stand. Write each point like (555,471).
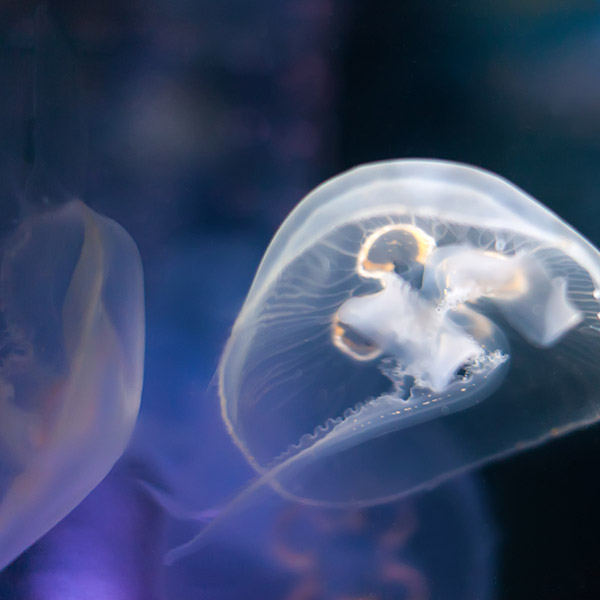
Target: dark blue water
(198,125)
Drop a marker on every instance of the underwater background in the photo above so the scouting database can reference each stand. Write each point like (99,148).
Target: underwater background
(198,125)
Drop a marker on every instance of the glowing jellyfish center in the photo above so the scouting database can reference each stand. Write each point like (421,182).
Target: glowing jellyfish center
(420,316)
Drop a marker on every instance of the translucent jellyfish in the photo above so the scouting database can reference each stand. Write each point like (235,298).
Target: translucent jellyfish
(404,307)
(403,298)
(71,363)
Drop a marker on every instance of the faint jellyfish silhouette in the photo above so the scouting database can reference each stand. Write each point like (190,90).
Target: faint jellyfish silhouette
(313,542)
(399,550)
(276,549)
(71,330)
(72,344)
(399,303)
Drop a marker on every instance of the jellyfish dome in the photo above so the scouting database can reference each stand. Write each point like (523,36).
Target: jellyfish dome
(403,305)
(71,364)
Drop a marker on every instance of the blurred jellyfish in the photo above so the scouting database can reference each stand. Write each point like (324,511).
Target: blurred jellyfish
(72,343)
(283,550)
(401,302)
(71,339)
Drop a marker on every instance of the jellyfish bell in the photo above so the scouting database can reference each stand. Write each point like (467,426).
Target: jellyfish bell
(403,308)
(401,301)
(71,361)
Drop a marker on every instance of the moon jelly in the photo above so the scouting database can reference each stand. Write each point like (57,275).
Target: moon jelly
(400,305)
(71,361)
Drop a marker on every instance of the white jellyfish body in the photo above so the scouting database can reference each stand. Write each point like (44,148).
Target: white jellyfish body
(402,306)
(71,364)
